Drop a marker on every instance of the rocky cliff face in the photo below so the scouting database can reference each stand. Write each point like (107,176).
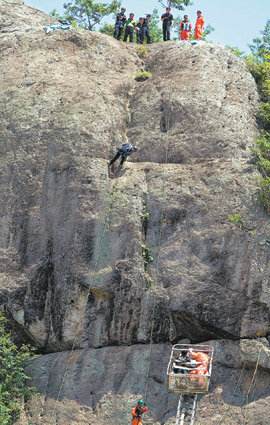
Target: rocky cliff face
(72,271)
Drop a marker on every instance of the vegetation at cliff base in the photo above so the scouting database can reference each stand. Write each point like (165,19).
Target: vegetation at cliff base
(13,388)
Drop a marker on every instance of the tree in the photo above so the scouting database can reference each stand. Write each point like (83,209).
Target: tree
(13,388)
(87,13)
(177,4)
(261,45)
(107,29)
(155,31)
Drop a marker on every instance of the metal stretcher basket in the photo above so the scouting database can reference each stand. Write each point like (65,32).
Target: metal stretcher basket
(180,379)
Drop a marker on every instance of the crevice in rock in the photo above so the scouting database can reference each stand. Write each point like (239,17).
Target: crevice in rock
(188,326)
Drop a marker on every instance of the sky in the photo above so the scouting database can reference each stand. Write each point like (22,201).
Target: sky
(236,22)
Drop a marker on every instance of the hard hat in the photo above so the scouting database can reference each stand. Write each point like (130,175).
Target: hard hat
(140,402)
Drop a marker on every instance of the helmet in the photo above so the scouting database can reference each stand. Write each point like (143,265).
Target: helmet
(135,148)
(148,15)
(140,402)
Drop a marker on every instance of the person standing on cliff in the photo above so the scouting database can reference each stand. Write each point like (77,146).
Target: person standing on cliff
(130,27)
(185,28)
(139,27)
(167,23)
(119,24)
(137,412)
(199,25)
(145,31)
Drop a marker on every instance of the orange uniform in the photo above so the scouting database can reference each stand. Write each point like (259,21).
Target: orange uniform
(138,411)
(185,28)
(201,368)
(198,28)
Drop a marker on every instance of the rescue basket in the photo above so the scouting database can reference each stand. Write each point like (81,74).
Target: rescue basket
(187,375)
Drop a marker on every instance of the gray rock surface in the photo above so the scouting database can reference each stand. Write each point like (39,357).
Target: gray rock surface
(70,237)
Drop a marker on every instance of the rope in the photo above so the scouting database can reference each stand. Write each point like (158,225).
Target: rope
(158,257)
(238,383)
(252,380)
(106,221)
(233,394)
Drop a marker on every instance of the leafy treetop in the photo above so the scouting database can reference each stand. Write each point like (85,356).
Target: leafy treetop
(87,13)
(177,4)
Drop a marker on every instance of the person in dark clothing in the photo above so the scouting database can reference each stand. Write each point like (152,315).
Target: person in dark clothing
(146,30)
(167,23)
(130,26)
(125,150)
(139,27)
(119,24)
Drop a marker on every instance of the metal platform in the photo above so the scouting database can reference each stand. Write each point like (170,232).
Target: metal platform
(180,378)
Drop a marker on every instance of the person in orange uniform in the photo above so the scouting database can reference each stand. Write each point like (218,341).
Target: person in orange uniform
(137,412)
(202,367)
(199,26)
(185,28)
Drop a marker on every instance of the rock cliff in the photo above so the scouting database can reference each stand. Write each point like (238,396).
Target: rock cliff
(72,272)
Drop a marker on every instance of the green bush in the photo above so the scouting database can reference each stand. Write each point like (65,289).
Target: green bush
(264,193)
(142,51)
(144,216)
(13,388)
(236,219)
(146,254)
(149,281)
(142,76)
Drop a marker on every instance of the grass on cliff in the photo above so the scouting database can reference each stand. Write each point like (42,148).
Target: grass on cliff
(13,389)
(142,76)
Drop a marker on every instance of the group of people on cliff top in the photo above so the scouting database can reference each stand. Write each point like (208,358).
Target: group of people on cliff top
(142,27)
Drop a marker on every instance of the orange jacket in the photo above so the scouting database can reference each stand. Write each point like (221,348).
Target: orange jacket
(141,410)
(201,357)
(199,22)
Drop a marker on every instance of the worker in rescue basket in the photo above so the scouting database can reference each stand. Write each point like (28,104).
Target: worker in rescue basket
(125,150)
(137,412)
(202,366)
(199,25)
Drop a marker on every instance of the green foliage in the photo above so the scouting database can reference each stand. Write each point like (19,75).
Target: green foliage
(142,76)
(177,4)
(207,31)
(149,281)
(87,13)
(155,31)
(237,52)
(107,29)
(142,51)
(261,45)
(264,193)
(236,219)
(146,254)
(13,387)
(145,216)
(263,154)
